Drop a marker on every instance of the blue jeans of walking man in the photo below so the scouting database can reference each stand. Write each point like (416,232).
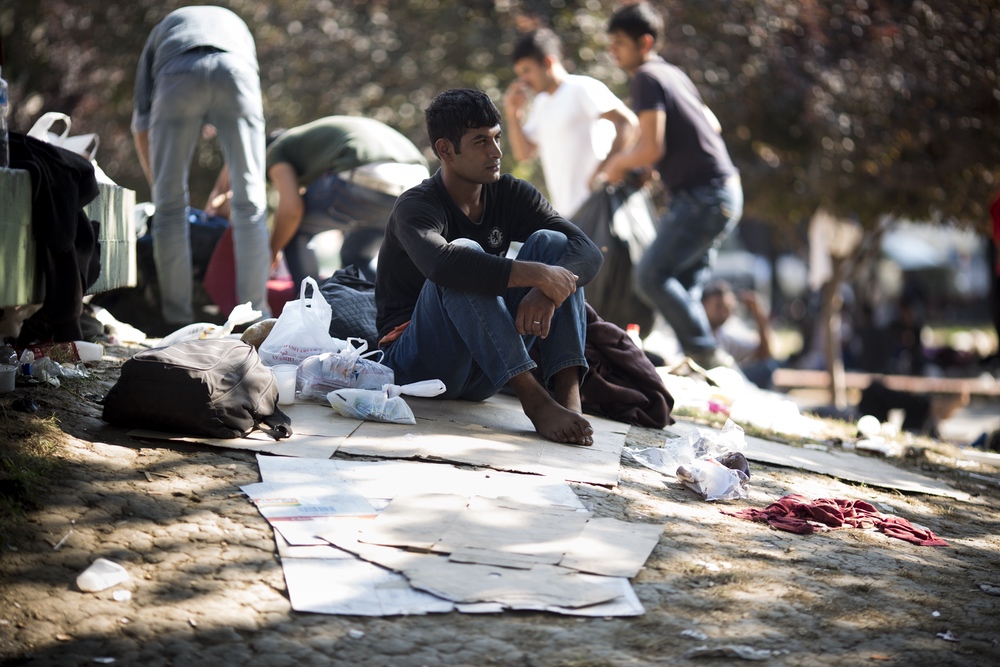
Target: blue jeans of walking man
(469,340)
(678,262)
(197,88)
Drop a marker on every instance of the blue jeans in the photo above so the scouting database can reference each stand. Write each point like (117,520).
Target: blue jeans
(219,89)
(468,340)
(333,203)
(671,274)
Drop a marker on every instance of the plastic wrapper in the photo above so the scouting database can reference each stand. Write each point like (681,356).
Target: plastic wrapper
(47,370)
(712,480)
(700,443)
(348,369)
(385,404)
(241,314)
(372,405)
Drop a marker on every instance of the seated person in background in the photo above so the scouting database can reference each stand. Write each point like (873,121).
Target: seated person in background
(452,306)
(752,353)
(338,172)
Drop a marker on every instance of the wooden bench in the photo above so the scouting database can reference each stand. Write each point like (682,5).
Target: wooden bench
(794,378)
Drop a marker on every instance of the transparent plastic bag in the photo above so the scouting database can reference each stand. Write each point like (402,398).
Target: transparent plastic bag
(373,405)
(699,444)
(712,480)
(348,369)
(302,330)
(385,404)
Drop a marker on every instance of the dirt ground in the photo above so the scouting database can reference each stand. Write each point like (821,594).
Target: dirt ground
(206,586)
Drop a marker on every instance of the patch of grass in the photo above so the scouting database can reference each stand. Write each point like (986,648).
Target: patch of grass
(28,460)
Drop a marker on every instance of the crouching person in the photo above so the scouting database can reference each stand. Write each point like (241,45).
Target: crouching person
(452,306)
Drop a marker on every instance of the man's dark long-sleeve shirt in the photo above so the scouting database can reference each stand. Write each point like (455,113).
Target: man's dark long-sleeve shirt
(425,220)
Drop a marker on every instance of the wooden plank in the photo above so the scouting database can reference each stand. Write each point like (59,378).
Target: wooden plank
(796,378)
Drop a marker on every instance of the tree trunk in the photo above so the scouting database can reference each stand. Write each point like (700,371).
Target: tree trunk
(830,320)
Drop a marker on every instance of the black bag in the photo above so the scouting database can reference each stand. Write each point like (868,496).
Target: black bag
(620,221)
(218,388)
(352,298)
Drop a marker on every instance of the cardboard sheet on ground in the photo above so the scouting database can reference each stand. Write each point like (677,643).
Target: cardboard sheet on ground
(317,432)
(356,587)
(385,480)
(511,534)
(496,434)
(541,588)
(842,465)
(300,511)
(323,586)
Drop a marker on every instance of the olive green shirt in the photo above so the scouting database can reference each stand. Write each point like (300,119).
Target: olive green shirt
(340,143)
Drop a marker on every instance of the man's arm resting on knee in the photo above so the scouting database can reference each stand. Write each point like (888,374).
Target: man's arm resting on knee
(555,282)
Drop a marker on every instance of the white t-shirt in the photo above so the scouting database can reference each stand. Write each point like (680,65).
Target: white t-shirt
(571,137)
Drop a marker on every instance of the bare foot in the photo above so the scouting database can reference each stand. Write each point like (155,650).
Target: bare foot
(556,423)
(552,421)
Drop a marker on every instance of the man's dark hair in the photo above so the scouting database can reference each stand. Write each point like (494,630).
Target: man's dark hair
(637,20)
(716,287)
(537,44)
(455,111)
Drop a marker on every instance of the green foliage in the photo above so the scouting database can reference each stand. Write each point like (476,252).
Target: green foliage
(864,107)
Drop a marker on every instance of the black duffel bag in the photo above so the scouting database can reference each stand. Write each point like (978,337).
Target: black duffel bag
(217,387)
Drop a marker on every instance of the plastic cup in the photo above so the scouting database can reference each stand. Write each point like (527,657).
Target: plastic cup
(285,374)
(101,574)
(89,351)
(7,374)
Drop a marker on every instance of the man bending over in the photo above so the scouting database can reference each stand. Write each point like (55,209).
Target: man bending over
(452,306)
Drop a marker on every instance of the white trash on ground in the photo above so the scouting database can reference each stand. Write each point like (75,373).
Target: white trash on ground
(101,574)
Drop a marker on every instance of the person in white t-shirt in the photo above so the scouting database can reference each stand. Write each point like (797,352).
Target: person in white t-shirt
(573,125)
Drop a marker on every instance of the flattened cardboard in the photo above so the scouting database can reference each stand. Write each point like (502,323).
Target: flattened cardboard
(414,521)
(506,533)
(317,432)
(841,465)
(513,530)
(389,479)
(540,587)
(299,446)
(494,433)
(354,587)
(612,548)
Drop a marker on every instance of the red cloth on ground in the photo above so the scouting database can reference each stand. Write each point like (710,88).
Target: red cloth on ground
(797,514)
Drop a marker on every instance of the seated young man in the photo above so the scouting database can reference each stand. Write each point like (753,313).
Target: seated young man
(452,306)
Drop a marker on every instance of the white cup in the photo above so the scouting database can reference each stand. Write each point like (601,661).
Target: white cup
(285,374)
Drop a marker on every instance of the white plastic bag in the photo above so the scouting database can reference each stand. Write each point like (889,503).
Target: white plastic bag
(712,480)
(348,369)
(371,405)
(698,444)
(241,314)
(385,404)
(302,330)
(83,144)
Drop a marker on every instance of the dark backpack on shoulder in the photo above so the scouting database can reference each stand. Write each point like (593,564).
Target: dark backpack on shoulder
(218,388)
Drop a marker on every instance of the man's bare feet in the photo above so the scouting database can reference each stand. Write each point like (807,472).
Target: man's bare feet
(552,421)
(556,423)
